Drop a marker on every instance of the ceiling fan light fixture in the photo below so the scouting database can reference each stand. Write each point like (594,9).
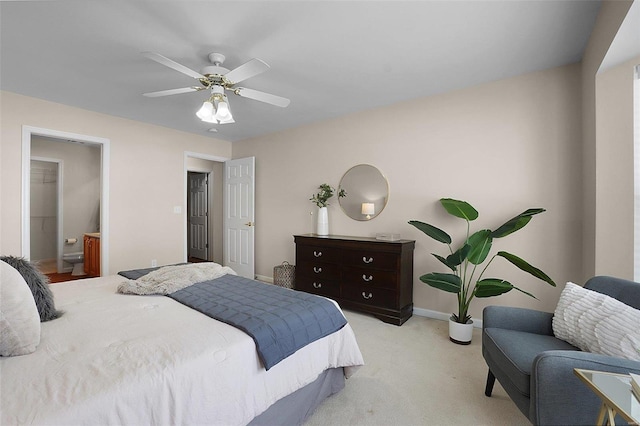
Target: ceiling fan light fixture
(210,119)
(227,121)
(218,79)
(222,110)
(205,111)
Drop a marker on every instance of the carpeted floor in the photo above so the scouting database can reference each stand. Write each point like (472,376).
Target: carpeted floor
(415,376)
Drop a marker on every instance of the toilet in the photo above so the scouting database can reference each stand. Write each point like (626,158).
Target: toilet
(77,260)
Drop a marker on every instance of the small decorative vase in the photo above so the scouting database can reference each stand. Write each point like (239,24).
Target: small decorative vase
(323,221)
(460,333)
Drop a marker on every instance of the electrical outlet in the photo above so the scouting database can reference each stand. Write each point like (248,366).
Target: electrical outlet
(154,263)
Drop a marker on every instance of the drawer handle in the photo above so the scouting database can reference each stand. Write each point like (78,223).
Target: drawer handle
(365,260)
(317,253)
(367,296)
(317,270)
(318,285)
(367,279)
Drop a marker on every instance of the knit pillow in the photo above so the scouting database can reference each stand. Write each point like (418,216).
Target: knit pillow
(39,285)
(595,322)
(19,319)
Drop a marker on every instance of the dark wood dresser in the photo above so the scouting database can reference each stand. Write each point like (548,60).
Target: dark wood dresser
(362,274)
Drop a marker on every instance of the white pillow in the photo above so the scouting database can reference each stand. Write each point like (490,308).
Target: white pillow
(595,322)
(19,318)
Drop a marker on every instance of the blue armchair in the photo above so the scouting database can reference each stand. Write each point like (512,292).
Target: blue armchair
(536,369)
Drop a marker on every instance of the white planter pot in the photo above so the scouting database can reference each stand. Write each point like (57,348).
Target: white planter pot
(323,221)
(460,333)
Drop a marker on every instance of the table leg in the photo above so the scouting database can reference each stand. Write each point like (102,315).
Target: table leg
(601,414)
(612,416)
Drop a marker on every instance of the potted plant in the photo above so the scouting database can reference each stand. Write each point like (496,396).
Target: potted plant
(321,200)
(466,278)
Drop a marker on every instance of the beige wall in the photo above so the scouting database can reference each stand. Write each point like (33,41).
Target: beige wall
(503,147)
(595,222)
(614,170)
(146,178)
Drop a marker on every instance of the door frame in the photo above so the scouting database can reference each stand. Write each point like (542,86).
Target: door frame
(59,207)
(105,144)
(201,156)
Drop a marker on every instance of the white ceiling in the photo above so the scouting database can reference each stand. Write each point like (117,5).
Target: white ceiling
(329,57)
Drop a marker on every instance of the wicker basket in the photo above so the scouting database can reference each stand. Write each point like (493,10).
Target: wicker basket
(284,275)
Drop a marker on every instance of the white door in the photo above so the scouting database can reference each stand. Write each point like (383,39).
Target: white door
(197,205)
(239,216)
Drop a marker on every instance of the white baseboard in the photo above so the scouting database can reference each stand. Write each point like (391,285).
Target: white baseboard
(264,278)
(441,316)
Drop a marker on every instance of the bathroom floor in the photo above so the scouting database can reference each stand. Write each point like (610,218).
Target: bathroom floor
(58,278)
(49,268)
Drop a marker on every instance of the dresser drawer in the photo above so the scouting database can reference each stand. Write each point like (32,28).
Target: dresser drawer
(319,270)
(369,277)
(371,259)
(317,286)
(317,253)
(370,296)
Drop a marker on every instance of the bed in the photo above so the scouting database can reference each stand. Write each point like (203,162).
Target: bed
(129,359)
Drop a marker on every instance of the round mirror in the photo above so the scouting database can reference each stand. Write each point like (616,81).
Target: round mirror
(367,192)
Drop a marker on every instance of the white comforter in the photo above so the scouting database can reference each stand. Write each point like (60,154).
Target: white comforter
(126,359)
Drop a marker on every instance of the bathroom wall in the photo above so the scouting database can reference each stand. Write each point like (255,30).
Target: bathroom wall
(81,186)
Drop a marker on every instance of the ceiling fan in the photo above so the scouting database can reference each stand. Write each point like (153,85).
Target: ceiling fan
(217,79)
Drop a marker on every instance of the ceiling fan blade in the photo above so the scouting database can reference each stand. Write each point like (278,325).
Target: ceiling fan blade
(262,96)
(246,70)
(172,91)
(172,64)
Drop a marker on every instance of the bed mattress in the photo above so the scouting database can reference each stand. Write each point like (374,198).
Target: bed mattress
(127,359)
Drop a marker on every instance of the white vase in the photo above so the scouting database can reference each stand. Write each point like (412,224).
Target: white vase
(323,221)
(460,333)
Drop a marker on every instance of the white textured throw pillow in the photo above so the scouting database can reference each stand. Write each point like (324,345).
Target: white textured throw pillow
(19,318)
(597,323)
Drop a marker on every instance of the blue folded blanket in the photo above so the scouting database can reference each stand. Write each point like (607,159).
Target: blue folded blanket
(279,320)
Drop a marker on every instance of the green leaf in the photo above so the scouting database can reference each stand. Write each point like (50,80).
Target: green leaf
(459,256)
(490,287)
(523,265)
(446,282)
(480,243)
(435,233)
(446,263)
(494,286)
(516,223)
(532,212)
(460,209)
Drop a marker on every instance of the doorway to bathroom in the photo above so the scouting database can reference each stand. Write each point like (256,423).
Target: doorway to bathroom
(58,212)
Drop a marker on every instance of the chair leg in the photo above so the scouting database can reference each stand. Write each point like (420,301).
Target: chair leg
(491,379)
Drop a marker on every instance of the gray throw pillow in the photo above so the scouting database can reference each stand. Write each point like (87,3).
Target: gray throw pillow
(38,284)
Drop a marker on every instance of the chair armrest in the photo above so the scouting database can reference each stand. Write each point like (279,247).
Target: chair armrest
(558,396)
(521,319)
